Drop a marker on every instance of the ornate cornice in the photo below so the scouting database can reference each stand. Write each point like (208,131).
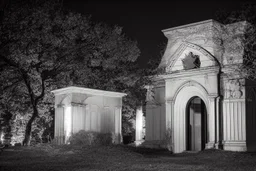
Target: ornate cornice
(78,104)
(169,101)
(87,91)
(59,105)
(213,70)
(191,28)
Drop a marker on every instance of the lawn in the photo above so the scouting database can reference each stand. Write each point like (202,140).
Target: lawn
(120,157)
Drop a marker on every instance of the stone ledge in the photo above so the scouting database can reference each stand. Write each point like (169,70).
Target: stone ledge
(235,146)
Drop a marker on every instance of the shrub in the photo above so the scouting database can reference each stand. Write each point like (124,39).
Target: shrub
(104,139)
(90,138)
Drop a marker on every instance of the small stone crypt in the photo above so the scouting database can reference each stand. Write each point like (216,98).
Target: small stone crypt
(78,108)
(200,98)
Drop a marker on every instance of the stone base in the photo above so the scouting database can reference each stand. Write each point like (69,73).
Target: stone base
(138,142)
(210,145)
(218,146)
(235,146)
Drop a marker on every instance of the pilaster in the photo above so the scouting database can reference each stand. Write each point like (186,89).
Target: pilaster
(170,119)
(211,123)
(234,115)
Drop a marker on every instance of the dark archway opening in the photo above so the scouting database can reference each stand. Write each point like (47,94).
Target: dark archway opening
(196,118)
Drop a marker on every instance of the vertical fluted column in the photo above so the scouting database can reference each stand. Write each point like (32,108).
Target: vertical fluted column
(234,124)
(118,124)
(211,123)
(218,121)
(59,134)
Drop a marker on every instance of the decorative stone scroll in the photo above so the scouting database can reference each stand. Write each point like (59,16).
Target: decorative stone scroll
(233,89)
(150,93)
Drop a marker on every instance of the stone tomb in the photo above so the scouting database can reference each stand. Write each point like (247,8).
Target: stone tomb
(201,96)
(78,108)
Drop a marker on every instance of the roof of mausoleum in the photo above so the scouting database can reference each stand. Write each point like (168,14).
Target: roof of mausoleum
(209,36)
(88,91)
(210,21)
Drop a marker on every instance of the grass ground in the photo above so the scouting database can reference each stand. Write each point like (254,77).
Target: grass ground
(62,158)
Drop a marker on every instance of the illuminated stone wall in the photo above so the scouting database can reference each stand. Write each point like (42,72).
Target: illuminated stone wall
(214,78)
(86,109)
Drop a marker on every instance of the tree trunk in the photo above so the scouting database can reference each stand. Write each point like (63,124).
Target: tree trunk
(26,141)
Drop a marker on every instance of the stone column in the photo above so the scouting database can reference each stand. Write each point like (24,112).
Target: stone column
(59,134)
(87,125)
(68,120)
(169,122)
(211,123)
(218,123)
(118,124)
(78,115)
(234,115)
(74,121)
(139,125)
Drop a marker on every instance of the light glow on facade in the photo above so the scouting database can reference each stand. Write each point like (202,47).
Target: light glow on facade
(2,137)
(68,122)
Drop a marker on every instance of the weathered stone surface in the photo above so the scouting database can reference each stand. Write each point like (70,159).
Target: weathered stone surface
(230,120)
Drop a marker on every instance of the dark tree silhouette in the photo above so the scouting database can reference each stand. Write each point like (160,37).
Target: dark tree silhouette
(44,47)
(247,40)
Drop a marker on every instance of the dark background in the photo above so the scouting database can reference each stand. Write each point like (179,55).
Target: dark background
(144,20)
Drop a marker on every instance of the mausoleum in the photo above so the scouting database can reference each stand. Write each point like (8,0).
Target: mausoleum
(78,108)
(201,97)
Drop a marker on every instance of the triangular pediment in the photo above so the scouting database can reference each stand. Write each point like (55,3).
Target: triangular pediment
(190,56)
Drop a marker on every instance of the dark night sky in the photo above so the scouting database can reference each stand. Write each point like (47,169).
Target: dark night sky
(143,21)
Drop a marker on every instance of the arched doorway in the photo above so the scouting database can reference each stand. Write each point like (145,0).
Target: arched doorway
(196,117)
(187,92)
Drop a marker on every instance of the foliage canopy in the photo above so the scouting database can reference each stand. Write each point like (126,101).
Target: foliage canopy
(45,47)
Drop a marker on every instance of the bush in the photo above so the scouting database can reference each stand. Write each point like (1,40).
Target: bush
(104,139)
(90,138)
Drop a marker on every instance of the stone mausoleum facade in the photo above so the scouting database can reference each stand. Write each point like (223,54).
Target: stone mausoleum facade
(78,108)
(201,97)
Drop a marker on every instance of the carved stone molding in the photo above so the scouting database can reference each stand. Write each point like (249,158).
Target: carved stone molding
(182,47)
(211,70)
(233,89)
(59,105)
(150,93)
(184,31)
(78,104)
(169,103)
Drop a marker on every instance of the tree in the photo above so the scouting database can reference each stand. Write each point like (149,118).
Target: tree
(44,47)
(246,40)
